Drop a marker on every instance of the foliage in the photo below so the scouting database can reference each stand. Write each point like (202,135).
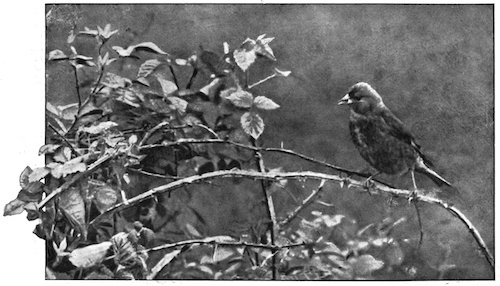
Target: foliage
(126,128)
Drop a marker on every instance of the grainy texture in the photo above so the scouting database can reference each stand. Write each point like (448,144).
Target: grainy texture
(433,65)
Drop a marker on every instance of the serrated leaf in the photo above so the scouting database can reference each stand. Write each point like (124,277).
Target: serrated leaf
(57,55)
(14,207)
(241,98)
(69,112)
(38,174)
(252,124)
(178,103)
(148,67)
(70,167)
(223,252)
(145,46)
(115,81)
(191,230)
(167,86)
(243,58)
(162,263)
(142,81)
(48,149)
(105,197)
(262,47)
(265,103)
(89,256)
(89,32)
(99,128)
(24,177)
(365,264)
(73,205)
(62,155)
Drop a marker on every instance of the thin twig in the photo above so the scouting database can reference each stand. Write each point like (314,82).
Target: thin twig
(154,174)
(220,243)
(353,184)
(262,81)
(420,226)
(77,86)
(263,149)
(173,76)
(273,227)
(307,201)
(77,154)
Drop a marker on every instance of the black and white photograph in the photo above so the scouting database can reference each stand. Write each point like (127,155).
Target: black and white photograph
(256,141)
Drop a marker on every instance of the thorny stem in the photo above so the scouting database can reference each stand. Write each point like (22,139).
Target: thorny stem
(307,201)
(354,184)
(273,227)
(263,149)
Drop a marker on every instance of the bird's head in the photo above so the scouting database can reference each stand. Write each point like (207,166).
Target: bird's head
(362,98)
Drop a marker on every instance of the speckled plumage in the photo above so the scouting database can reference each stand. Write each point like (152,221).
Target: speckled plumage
(381,138)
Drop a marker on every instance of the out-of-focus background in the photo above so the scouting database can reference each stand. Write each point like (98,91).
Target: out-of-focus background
(432,64)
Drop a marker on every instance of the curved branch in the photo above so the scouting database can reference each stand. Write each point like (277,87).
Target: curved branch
(354,184)
(262,149)
(226,243)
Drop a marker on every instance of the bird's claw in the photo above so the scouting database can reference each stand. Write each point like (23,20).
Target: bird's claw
(413,196)
(368,184)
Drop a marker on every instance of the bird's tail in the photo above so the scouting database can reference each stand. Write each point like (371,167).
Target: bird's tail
(435,177)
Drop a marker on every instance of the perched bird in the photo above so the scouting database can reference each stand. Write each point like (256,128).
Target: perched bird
(382,139)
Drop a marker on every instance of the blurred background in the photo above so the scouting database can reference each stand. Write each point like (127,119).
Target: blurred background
(432,64)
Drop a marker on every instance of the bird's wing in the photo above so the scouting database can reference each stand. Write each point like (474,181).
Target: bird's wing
(397,129)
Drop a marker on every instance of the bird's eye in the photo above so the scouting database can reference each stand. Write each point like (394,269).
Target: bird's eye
(354,96)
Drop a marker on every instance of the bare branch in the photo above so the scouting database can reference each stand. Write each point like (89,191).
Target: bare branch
(227,243)
(262,149)
(351,183)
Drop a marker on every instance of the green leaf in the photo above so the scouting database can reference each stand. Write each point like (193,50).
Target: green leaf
(106,33)
(38,174)
(48,149)
(241,98)
(72,204)
(191,231)
(167,86)
(265,103)
(148,67)
(262,47)
(99,128)
(63,154)
(57,55)
(89,256)
(70,167)
(252,124)
(115,81)
(14,207)
(105,197)
(145,46)
(365,264)
(243,58)
(88,32)
(282,73)
(162,263)
(24,177)
(69,112)
(178,103)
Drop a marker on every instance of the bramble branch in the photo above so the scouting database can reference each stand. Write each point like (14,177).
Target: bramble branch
(262,149)
(351,183)
(226,243)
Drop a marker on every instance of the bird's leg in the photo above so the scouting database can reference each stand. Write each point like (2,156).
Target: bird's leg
(368,183)
(413,194)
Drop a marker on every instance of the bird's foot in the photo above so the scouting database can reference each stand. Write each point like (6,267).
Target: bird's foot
(413,196)
(368,184)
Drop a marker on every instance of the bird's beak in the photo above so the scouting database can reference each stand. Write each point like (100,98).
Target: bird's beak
(345,100)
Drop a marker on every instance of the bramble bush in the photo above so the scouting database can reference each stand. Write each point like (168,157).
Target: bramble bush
(172,125)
